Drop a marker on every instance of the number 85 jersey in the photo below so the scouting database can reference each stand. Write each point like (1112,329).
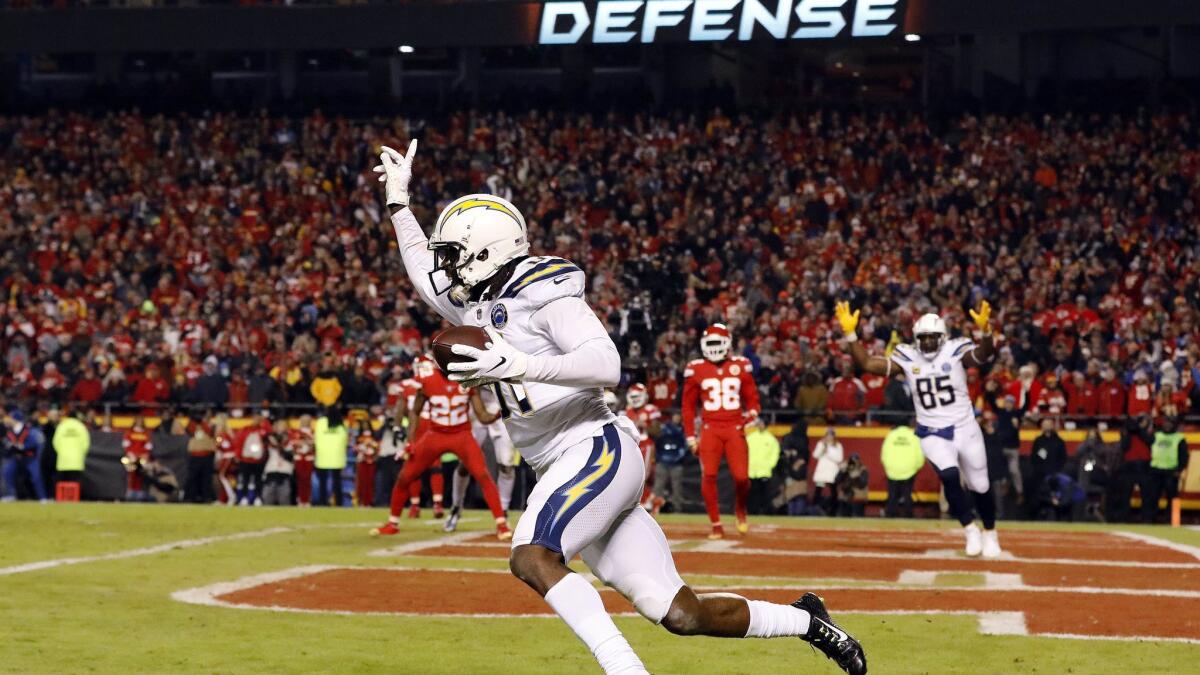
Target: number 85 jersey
(725,393)
(938,384)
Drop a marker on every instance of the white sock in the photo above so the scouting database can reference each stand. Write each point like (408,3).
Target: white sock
(504,482)
(458,488)
(768,620)
(579,604)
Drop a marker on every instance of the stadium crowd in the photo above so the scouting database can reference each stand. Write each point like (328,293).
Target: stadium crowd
(227,260)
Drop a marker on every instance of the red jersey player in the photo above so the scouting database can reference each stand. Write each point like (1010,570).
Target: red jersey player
(449,430)
(724,388)
(647,417)
(423,367)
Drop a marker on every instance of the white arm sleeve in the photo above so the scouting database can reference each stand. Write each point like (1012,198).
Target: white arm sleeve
(418,263)
(589,357)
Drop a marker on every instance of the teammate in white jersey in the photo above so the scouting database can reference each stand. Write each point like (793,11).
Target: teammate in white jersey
(494,435)
(548,361)
(935,370)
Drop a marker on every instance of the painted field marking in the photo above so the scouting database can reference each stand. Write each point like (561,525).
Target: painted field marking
(163,548)
(989,622)
(458,539)
(1193,551)
(723,546)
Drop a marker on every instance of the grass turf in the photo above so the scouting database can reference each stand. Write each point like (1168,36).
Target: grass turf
(116,615)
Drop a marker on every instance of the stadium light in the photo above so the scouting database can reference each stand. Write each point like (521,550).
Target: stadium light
(912,37)
(407,49)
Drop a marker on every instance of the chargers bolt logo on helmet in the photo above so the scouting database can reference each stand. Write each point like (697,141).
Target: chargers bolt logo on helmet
(715,342)
(930,333)
(474,237)
(637,396)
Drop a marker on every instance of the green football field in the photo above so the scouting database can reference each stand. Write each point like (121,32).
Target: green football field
(88,588)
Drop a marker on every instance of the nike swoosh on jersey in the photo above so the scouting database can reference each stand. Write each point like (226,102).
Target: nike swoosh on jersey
(559,280)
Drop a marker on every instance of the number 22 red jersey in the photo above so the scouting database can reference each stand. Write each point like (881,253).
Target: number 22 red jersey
(445,403)
(724,391)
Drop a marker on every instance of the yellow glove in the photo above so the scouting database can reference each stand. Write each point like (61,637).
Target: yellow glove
(981,317)
(847,320)
(891,345)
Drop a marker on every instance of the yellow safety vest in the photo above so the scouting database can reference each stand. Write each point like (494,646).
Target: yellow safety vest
(1164,454)
(71,443)
(901,454)
(330,444)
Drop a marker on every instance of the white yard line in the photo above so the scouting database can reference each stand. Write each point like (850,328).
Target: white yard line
(1193,551)
(136,552)
(163,548)
(459,539)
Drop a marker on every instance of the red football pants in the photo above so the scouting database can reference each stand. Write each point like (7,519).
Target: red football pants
(437,484)
(728,442)
(364,483)
(304,471)
(428,449)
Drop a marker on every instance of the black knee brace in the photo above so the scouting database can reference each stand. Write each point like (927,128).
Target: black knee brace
(959,506)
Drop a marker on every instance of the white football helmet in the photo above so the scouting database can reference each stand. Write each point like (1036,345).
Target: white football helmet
(715,342)
(474,237)
(637,396)
(930,333)
(610,400)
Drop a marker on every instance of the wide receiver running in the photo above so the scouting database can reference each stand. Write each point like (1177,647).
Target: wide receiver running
(935,370)
(548,361)
(724,387)
(449,431)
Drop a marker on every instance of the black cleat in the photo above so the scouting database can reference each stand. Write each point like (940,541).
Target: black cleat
(451,523)
(828,637)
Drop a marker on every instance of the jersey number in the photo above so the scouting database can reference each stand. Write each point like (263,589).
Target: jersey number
(513,400)
(722,394)
(448,411)
(935,391)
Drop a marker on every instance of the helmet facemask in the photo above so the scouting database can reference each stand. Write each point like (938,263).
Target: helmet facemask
(450,259)
(637,396)
(715,347)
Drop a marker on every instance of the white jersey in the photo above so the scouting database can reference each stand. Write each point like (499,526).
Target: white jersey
(542,419)
(938,385)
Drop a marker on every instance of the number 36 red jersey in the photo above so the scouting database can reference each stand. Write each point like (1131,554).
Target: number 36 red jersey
(445,403)
(724,391)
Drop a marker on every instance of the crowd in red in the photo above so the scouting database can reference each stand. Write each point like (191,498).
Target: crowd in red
(228,260)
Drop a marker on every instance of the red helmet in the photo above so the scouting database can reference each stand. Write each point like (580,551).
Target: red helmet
(715,342)
(637,396)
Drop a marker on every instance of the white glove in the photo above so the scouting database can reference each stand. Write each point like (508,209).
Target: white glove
(396,170)
(500,361)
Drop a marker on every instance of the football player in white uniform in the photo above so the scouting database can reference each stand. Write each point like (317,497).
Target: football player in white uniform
(935,370)
(548,362)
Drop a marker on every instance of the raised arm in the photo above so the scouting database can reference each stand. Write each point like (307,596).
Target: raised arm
(396,173)
(981,356)
(849,322)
